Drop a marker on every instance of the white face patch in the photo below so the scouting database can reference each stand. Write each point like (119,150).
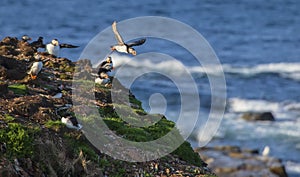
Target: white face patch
(54,42)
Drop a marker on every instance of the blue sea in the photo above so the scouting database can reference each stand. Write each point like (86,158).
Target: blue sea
(257,43)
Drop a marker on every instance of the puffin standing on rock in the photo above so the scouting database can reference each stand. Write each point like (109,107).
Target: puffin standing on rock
(35,68)
(54,46)
(122,46)
(71,122)
(105,66)
(38,43)
(25,38)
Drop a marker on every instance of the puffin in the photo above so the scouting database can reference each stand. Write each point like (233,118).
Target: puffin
(25,38)
(122,46)
(101,81)
(266,151)
(38,43)
(54,46)
(105,66)
(35,68)
(71,122)
(58,92)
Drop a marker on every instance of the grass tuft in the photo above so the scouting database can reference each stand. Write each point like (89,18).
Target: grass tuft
(19,89)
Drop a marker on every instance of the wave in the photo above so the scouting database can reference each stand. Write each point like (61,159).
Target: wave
(284,70)
(293,167)
(244,105)
(281,110)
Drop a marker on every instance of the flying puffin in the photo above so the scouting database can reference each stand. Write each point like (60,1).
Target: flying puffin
(122,46)
(54,46)
(71,122)
(35,68)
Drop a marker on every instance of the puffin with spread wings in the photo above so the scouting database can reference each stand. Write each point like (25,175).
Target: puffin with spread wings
(54,46)
(122,46)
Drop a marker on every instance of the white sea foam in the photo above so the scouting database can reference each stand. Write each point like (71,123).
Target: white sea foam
(244,105)
(286,110)
(285,70)
(168,66)
(277,68)
(292,167)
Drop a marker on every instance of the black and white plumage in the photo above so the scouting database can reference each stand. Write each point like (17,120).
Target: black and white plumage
(58,92)
(54,46)
(38,43)
(71,122)
(122,46)
(25,38)
(105,66)
(35,68)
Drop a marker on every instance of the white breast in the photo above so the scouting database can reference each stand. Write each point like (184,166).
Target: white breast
(121,48)
(102,81)
(52,49)
(36,68)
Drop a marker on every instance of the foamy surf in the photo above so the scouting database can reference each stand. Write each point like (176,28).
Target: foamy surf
(284,70)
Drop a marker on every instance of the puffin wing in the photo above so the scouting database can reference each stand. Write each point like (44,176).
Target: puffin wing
(117,34)
(29,67)
(136,43)
(38,43)
(67,46)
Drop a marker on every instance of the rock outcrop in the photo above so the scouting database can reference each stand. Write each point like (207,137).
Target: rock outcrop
(258,116)
(228,161)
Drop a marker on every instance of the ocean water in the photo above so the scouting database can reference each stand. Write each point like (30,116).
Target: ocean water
(257,43)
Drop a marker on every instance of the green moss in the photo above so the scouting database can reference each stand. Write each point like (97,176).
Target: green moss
(69,69)
(150,133)
(133,100)
(63,76)
(123,118)
(75,144)
(186,152)
(19,140)
(8,118)
(107,111)
(19,89)
(54,125)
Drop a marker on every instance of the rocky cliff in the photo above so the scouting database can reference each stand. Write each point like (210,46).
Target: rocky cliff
(34,141)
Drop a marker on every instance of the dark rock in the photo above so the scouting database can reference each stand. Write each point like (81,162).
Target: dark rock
(228,148)
(12,41)
(3,72)
(279,170)
(12,69)
(257,116)
(229,161)
(3,88)
(7,168)
(31,106)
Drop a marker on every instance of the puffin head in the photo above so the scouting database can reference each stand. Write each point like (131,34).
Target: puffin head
(40,38)
(112,48)
(54,42)
(132,51)
(26,38)
(108,59)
